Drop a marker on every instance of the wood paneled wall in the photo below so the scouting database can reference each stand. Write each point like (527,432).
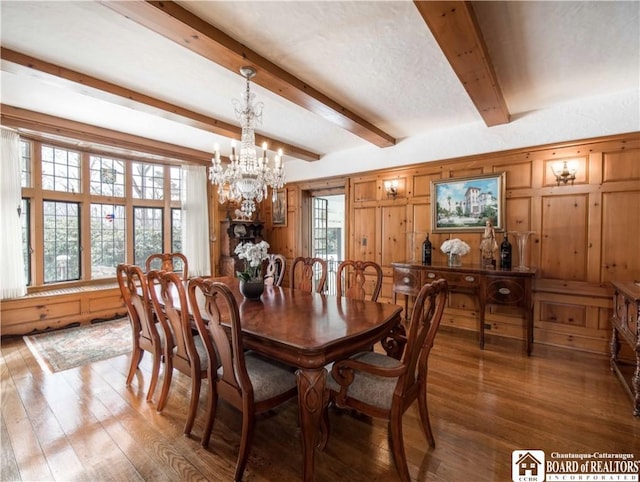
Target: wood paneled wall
(586,234)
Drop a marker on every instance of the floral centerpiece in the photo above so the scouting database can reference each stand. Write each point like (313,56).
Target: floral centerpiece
(253,255)
(454,248)
(251,281)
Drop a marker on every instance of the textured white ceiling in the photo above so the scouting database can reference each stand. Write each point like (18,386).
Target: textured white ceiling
(556,62)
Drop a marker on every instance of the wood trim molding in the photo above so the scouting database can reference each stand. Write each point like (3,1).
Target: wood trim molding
(454,26)
(181,26)
(36,122)
(17,62)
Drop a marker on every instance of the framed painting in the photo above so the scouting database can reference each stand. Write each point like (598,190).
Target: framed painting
(279,209)
(467,203)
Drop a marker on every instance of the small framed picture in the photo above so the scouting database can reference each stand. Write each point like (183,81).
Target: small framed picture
(279,209)
(467,203)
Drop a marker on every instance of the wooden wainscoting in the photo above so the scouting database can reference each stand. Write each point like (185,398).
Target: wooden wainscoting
(48,310)
(585,233)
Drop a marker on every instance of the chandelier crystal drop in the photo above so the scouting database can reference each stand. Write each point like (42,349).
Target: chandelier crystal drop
(248,176)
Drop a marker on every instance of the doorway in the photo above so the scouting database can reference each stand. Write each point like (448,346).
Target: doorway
(328,233)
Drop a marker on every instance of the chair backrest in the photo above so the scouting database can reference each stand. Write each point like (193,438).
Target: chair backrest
(135,291)
(173,262)
(352,279)
(303,274)
(169,298)
(423,326)
(274,273)
(220,306)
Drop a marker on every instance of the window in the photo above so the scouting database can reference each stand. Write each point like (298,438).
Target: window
(147,233)
(176,183)
(25,162)
(106,176)
(60,169)
(84,213)
(61,225)
(148,181)
(176,230)
(107,239)
(25,220)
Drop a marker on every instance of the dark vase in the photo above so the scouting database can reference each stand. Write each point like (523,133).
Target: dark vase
(252,289)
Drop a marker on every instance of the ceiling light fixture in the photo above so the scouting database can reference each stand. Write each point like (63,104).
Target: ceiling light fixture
(247,177)
(563,172)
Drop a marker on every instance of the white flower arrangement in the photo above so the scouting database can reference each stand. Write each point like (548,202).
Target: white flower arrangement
(253,255)
(455,246)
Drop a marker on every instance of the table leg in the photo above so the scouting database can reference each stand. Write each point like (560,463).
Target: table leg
(312,399)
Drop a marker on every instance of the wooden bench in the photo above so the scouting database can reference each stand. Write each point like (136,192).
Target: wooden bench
(59,308)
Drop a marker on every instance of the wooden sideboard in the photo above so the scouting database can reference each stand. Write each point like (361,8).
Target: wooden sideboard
(508,287)
(625,323)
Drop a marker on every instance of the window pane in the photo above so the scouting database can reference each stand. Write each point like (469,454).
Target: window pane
(107,239)
(60,169)
(176,183)
(61,241)
(176,230)
(25,162)
(25,217)
(148,181)
(147,233)
(106,176)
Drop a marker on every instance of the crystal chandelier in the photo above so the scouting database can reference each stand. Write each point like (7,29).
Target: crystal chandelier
(248,176)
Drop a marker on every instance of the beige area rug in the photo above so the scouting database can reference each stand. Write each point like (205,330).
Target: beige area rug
(73,347)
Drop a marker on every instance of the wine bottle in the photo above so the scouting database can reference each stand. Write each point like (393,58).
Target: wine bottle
(505,253)
(426,251)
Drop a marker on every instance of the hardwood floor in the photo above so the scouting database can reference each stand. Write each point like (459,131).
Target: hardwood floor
(84,424)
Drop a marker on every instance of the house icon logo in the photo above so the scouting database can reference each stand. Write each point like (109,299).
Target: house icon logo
(527,466)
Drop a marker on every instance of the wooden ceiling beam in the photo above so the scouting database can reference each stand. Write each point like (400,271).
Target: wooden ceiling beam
(181,26)
(16,62)
(455,28)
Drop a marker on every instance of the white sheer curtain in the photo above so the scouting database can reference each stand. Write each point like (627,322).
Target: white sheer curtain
(195,220)
(12,281)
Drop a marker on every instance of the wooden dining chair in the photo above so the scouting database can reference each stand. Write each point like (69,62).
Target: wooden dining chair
(274,273)
(182,350)
(352,280)
(381,386)
(303,274)
(249,382)
(172,262)
(144,325)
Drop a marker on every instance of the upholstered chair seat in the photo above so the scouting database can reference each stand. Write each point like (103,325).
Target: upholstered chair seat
(268,378)
(366,387)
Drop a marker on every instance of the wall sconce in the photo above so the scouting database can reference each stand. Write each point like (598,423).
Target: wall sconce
(563,172)
(391,187)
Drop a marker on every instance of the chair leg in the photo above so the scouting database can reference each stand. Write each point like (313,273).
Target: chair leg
(154,376)
(166,384)
(193,405)
(397,446)
(212,403)
(136,358)
(424,415)
(248,421)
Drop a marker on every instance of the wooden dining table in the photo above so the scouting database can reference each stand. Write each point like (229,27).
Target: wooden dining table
(308,331)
